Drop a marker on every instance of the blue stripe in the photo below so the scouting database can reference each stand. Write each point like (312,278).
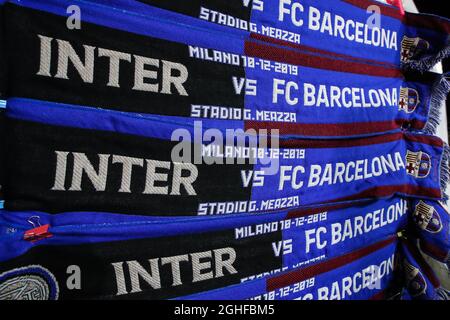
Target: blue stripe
(155,23)
(84,117)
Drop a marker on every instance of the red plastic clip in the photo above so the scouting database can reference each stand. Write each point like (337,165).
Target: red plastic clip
(397,3)
(37,233)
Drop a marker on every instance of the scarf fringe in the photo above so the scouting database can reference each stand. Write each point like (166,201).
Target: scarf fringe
(445,170)
(439,92)
(429,61)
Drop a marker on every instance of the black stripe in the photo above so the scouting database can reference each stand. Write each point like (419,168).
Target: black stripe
(208,83)
(253,256)
(31,167)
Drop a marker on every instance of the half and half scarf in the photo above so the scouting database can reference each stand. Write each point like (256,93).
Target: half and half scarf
(63,158)
(148,64)
(364,274)
(349,29)
(123,257)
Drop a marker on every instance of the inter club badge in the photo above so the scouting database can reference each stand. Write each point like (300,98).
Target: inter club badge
(28,283)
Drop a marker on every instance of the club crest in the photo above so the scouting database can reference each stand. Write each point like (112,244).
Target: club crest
(426,218)
(415,282)
(28,283)
(418,164)
(409,99)
(412,47)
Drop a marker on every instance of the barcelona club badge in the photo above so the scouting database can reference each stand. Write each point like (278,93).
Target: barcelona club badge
(426,218)
(412,47)
(418,164)
(409,99)
(415,282)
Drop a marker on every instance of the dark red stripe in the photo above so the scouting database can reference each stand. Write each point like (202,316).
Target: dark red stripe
(341,143)
(433,250)
(308,211)
(416,124)
(269,52)
(425,139)
(314,270)
(337,130)
(379,296)
(389,11)
(315,50)
(372,193)
(422,263)
(434,23)
(327,130)
(330,208)
(386,191)
(334,130)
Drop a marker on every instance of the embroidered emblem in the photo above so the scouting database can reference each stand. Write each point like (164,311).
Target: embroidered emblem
(412,47)
(28,283)
(415,282)
(426,218)
(418,164)
(409,99)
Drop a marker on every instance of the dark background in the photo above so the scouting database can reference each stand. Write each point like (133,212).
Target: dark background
(437,7)
(432,6)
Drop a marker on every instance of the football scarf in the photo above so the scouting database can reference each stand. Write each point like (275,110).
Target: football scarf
(414,40)
(420,280)
(65,158)
(431,223)
(113,251)
(360,275)
(150,65)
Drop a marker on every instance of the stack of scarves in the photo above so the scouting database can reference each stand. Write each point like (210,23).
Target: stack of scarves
(262,150)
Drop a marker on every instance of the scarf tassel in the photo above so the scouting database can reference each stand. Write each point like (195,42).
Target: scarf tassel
(439,93)
(445,170)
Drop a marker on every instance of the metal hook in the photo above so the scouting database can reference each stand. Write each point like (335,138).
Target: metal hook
(38,221)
